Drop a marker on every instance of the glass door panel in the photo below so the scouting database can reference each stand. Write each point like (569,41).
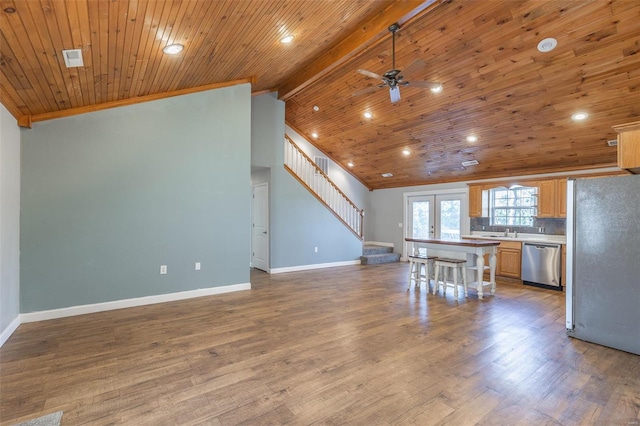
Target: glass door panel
(449,217)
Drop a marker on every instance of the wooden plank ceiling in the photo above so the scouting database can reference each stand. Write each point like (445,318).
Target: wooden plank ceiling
(497,85)
(122,41)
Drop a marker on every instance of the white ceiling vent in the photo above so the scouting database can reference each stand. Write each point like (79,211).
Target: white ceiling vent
(470,163)
(613,142)
(72,58)
(387,175)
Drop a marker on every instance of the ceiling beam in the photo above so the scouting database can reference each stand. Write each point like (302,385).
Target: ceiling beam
(401,11)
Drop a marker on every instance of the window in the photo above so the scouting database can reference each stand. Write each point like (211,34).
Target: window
(516,206)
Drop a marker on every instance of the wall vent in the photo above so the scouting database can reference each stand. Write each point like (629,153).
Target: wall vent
(72,58)
(613,142)
(323,164)
(470,163)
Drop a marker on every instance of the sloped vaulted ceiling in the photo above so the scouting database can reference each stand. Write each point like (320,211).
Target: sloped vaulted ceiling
(517,100)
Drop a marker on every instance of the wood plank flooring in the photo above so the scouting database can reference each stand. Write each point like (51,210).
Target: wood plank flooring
(347,345)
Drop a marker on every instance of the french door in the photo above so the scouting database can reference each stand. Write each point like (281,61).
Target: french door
(436,216)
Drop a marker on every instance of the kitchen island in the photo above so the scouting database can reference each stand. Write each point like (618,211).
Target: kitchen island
(475,247)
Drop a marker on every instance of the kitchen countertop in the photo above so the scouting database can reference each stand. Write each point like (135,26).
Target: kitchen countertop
(524,238)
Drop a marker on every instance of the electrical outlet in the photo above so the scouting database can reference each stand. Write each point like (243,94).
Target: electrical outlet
(163,269)
(197,266)
(315,249)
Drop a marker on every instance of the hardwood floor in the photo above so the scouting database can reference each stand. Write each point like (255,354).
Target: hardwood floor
(346,345)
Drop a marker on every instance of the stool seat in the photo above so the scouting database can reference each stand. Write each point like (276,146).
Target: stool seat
(416,265)
(455,265)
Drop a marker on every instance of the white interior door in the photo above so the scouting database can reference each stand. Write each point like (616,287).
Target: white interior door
(260,227)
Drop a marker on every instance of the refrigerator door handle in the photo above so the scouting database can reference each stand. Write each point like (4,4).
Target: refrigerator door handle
(571,235)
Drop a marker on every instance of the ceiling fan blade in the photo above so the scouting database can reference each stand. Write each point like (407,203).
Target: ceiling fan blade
(414,68)
(365,91)
(394,93)
(427,84)
(370,74)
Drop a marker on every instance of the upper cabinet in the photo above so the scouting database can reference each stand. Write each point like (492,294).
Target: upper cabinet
(552,198)
(561,198)
(629,146)
(475,200)
(547,198)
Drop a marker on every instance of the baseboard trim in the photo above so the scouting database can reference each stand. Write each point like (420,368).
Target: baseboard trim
(315,266)
(7,332)
(378,243)
(130,303)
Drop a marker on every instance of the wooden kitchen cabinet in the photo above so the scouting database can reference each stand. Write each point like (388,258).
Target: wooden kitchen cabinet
(629,146)
(561,198)
(509,259)
(547,198)
(475,200)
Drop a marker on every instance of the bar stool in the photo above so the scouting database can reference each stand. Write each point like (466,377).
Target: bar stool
(450,264)
(416,264)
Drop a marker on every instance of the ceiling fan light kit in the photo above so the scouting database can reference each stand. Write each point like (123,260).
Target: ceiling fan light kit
(393,78)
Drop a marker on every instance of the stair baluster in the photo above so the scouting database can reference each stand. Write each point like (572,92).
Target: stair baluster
(305,170)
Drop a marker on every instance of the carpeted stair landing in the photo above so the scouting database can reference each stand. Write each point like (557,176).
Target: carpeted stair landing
(372,255)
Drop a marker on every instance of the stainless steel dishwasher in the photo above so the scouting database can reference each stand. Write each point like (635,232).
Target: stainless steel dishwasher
(541,265)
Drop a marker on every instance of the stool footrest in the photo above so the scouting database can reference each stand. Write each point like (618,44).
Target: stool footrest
(444,259)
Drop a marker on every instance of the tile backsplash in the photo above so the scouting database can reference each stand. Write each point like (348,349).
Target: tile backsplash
(550,226)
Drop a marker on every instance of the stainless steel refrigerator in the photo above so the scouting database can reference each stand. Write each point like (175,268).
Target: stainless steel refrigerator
(603,261)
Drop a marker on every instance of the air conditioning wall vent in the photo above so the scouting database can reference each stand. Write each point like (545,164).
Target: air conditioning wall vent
(322,163)
(613,142)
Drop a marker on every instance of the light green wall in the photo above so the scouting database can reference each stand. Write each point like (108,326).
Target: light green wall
(110,196)
(9,221)
(298,222)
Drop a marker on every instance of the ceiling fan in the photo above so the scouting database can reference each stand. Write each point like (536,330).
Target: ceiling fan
(393,78)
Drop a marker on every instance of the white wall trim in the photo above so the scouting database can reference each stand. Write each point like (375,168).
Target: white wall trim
(377,243)
(129,303)
(7,332)
(315,266)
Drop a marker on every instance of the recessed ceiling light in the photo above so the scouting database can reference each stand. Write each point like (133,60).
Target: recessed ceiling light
(314,135)
(172,49)
(316,108)
(350,164)
(367,114)
(406,151)
(9,10)
(287,39)
(387,175)
(547,45)
(579,116)
(436,89)
(472,138)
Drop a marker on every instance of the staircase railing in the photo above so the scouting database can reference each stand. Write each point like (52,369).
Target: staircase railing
(305,170)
